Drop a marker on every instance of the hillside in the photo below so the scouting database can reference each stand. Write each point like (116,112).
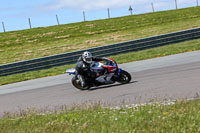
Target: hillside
(39,42)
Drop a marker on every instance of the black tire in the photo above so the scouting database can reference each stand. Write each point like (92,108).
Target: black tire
(77,85)
(124,77)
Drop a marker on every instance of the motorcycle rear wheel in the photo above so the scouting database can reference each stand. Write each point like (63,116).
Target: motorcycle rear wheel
(124,77)
(78,85)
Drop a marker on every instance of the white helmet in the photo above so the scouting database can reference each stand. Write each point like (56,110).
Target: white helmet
(87,57)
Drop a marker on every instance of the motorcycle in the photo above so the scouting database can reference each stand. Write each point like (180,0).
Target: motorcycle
(119,75)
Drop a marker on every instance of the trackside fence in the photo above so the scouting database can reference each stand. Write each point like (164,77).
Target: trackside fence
(108,50)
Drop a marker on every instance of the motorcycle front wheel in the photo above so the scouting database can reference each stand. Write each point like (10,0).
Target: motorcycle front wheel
(76,83)
(124,77)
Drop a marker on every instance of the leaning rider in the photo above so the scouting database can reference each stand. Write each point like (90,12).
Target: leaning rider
(83,69)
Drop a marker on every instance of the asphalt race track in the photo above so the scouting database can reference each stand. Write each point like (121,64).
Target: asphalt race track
(173,77)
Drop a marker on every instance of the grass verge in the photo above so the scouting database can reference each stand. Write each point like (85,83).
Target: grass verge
(187,46)
(175,117)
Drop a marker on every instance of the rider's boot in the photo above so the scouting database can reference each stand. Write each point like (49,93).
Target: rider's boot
(82,81)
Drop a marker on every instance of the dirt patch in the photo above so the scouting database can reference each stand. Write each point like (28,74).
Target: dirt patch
(90,41)
(44,34)
(73,28)
(30,41)
(46,53)
(29,51)
(93,42)
(90,33)
(90,25)
(18,53)
(62,37)
(44,49)
(17,59)
(28,54)
(49,33)
(17,40)
(118,37)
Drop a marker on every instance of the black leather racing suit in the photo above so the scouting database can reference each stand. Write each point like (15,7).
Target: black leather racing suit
(83,69)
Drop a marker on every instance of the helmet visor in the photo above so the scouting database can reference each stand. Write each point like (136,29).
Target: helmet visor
(88,59)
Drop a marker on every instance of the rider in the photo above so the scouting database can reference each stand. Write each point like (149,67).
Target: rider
(83,69)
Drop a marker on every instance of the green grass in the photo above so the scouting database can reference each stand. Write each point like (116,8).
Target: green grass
(187,46)
(178,117)
(39,42)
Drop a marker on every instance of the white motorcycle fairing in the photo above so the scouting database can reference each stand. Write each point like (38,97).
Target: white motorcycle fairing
(96,67)
(71,71)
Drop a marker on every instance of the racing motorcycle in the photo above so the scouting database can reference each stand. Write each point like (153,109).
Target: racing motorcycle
(120,76)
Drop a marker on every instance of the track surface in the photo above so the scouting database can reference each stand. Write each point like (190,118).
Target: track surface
(170,82)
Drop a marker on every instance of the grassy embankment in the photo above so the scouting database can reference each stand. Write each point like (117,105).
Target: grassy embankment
(39,42)
(178,117)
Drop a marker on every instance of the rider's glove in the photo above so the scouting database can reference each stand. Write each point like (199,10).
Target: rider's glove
(98,74)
